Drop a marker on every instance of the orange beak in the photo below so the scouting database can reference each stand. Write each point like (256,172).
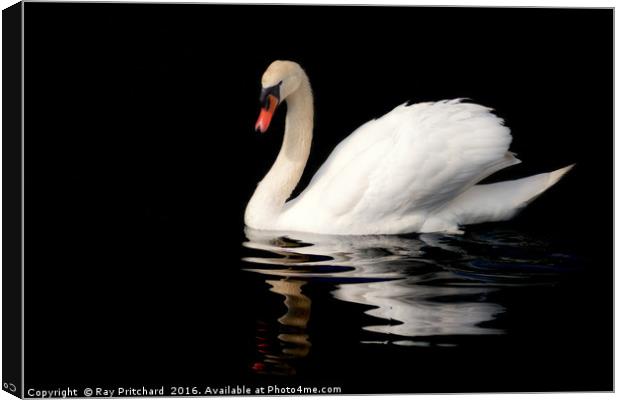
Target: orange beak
(264,118)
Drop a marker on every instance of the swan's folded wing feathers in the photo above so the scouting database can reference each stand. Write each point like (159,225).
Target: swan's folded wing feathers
(410,162)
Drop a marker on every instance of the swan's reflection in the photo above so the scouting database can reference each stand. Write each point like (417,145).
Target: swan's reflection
(292,339)
(419,288)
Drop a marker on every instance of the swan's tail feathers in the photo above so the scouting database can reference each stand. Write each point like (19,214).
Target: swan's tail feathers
(500,201)
(556,175)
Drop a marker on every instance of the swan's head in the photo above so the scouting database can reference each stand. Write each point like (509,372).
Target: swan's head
(279,80)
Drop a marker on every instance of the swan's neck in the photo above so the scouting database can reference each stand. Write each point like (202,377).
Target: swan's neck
(276,187)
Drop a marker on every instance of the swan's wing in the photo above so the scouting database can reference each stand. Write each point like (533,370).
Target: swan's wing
(406,164)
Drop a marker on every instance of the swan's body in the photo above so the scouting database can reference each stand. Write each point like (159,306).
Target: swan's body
(415,169)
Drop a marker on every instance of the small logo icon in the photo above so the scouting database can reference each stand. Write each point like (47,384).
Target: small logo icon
(9,386)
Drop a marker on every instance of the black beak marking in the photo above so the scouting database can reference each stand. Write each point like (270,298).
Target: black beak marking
(271,90)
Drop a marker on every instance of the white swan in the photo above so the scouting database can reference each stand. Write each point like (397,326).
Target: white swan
(414,169)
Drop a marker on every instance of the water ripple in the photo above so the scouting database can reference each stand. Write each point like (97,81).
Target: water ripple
(416,287)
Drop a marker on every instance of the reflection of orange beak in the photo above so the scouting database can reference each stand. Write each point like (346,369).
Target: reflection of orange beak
(264,118)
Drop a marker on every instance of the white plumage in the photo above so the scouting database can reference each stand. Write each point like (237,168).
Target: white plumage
(415,169)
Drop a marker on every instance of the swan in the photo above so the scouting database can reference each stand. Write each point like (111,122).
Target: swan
(415,169)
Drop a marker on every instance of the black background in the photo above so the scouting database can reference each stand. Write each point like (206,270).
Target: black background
(141,156)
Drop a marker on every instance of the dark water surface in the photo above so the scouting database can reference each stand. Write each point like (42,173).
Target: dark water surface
(495,309)
(492,294)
